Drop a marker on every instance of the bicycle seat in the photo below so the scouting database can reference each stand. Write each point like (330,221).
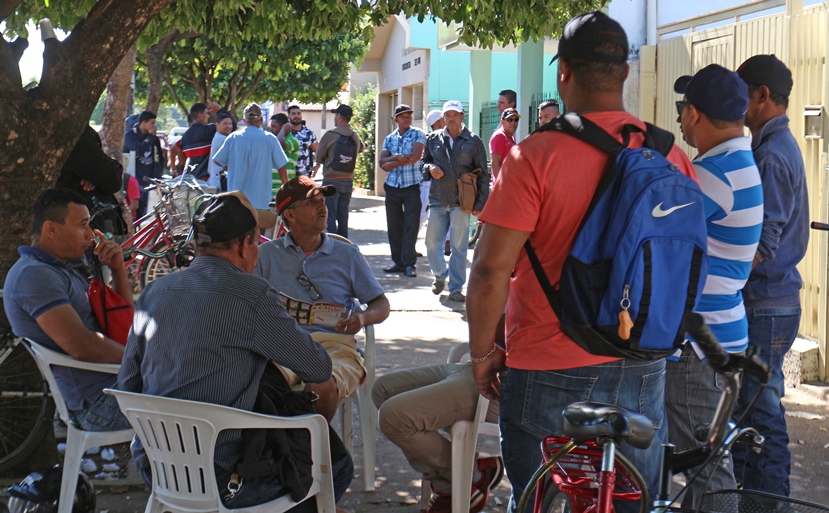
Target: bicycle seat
(584,421)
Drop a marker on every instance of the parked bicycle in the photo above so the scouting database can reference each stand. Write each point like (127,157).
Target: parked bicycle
(582,472)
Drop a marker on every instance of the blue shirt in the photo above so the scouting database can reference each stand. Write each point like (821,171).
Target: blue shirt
(251,154)
(218,353)
(337,270)
(37,283)
(730,181)
(775,280)
(394,143)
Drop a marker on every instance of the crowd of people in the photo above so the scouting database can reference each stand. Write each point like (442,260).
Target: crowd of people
(280,313)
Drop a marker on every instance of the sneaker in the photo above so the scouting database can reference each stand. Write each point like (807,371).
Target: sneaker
(440,503)
(479,494)
(438,286)
(492,470)
(457,296)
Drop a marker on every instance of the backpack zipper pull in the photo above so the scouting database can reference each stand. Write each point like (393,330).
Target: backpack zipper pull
(625,322)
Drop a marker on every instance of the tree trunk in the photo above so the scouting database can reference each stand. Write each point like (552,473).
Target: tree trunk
(155,58)
(44,123)
(119,89)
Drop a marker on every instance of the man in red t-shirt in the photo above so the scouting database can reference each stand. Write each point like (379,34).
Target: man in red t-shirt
(544,189)
(503,139)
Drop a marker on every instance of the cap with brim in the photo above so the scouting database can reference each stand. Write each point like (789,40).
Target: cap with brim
(253,112)
(343,110)
(510,113)
(402,109)
(716,92)
(584,36)
(227,216)
(298,188)
(433,116)
(452,106)
(769,71)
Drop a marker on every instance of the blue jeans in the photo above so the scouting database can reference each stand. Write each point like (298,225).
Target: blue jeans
(532,401)
(456,222)
(338,206)
(692,393)
(772,331)
(102,415)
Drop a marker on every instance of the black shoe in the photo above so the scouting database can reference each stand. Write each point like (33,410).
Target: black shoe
(419,254)
(410,272)
(394,269)
(447,250)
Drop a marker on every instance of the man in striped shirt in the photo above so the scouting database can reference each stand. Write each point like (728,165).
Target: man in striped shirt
(219,354)
(711,116)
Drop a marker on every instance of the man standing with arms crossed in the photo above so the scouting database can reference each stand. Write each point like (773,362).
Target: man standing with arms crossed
(540,198)
(307,142)
(772,294)
(401,152)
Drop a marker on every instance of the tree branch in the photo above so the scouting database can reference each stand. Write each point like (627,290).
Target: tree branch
(169,82)
(252,88)
(155,55)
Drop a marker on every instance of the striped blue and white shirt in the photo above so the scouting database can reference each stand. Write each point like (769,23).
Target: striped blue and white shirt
(731,184)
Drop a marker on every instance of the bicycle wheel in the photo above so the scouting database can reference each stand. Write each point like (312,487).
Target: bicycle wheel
(155,268)
(26,408)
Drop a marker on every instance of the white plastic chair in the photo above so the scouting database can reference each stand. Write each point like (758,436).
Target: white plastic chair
(179,438)
(464,436)
(365,405)
(77,441)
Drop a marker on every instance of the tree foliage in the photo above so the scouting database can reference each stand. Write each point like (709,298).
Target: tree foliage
(364,123)
(311,71)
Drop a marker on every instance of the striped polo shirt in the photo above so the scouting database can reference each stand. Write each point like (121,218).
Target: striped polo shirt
(731,184)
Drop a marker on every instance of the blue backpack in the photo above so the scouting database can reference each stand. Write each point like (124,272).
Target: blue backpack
(638,264)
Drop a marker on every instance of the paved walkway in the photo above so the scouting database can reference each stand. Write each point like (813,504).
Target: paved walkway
(421,330)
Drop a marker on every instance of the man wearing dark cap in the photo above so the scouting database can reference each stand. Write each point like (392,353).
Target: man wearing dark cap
(772,294)
(149,160)
(503,139)
(543,191)
(251,154)
(401,153)
(307,267)
(218,355)
(711,116)
(337,152)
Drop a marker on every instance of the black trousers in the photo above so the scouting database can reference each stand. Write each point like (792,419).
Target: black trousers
(403,220)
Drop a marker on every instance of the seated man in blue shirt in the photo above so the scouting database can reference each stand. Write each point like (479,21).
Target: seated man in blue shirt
(46,300)
(308,267)
(220,354)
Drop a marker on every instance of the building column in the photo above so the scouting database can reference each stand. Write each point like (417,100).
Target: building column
(480,82)
(633,16)
(530,81)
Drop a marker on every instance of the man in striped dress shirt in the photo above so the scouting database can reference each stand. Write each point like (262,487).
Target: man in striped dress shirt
(219,354)
(711,116)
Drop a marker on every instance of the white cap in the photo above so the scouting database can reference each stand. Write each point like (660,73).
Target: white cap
(433,117)
(454,105)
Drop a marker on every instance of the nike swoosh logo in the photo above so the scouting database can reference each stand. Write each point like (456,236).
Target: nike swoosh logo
(658,212)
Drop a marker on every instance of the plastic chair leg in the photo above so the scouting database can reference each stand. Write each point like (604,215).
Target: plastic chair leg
(368,430)
(464,437)
(71,467)
(425,494)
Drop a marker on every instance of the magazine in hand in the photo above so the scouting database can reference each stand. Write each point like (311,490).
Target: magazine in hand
(314,314)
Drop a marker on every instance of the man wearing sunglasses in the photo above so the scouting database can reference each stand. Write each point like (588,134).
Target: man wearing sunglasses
(317,278)
(711,116)
(503,139)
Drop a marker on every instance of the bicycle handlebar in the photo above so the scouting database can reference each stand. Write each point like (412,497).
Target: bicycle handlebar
(819,226)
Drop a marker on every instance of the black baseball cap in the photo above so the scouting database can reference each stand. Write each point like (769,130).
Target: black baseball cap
(402,109)
(584,33)
(769,71)
(227,216)
(299,188)
(343,110)
(717,92)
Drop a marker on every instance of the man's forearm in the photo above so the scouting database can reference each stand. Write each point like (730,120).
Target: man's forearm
(485,301)
(283,174)
(377,311)
(121,285)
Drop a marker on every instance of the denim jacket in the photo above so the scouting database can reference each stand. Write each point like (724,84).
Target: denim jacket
(467,154)
(775,280)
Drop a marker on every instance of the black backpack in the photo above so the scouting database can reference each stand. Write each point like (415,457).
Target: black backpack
(345,154)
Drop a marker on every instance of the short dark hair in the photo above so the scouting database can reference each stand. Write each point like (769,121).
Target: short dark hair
(222,116)
(51,206)
(292,107)
(197,109)
(776,98)
(721,124)
(280,118)
(253,235)
(510,95)
(147,115)
(548,103)
(594,77)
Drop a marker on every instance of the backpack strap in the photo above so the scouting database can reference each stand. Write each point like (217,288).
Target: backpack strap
(659,139)
(553,295)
